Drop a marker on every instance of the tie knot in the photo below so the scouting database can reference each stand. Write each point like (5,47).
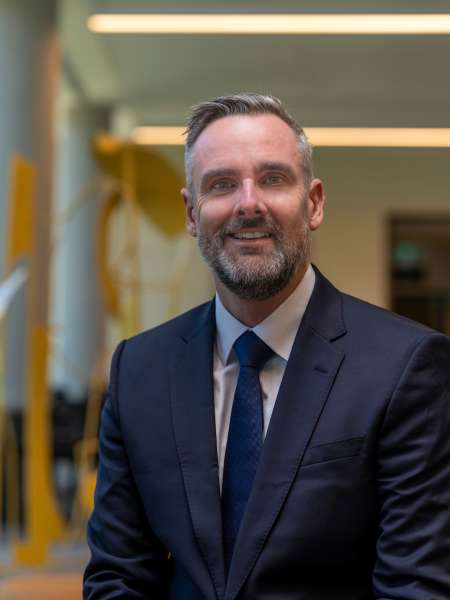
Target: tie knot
(252,351)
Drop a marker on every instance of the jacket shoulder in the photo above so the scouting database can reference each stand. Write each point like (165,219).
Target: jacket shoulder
(333,313)
(164,336)
(372,319)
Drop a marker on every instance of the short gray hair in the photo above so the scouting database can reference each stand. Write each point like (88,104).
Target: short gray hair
(205,113)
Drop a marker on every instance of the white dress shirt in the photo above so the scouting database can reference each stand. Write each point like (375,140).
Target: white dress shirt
(278,331)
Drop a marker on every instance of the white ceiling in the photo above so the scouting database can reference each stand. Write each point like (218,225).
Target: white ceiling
(391,81)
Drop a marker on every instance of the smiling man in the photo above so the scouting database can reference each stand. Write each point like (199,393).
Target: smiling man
(255,208)
(284,441)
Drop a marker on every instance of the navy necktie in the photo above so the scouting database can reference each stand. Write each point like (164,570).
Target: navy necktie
(245,436)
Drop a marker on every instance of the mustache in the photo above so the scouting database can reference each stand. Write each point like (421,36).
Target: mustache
(243,223)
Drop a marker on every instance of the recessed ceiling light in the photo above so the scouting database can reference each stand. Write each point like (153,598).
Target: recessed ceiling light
(159,136)
(395,137)
(333,24)
(400,137)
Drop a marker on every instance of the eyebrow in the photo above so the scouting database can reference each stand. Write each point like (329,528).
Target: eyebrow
(278,166)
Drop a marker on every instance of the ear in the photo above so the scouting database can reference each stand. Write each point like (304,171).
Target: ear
(191,223)
(316,203)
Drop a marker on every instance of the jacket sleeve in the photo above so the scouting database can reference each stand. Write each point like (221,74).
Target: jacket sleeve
(127,560)
(413,472)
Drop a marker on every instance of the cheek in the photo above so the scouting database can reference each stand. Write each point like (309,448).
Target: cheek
(213,213)
(290,218)
(287,205)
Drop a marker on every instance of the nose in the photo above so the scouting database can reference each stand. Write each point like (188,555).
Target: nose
(249,200)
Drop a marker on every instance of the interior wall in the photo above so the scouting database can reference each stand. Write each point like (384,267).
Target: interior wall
(364,188)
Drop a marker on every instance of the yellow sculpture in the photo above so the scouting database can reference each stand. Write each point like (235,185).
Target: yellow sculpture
(140,183)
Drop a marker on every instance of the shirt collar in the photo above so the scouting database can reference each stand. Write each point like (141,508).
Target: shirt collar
(278,330)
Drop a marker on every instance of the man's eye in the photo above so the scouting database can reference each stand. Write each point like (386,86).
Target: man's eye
(223,185)
(272,179)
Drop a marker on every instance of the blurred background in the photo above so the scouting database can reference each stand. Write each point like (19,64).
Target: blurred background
(92,240)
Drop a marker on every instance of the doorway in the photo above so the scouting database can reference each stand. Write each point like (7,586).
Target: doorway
(420,269)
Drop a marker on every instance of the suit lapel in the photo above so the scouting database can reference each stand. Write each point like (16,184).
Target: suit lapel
(308,378)
(192,401)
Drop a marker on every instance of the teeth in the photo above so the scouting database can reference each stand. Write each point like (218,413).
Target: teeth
(250,235)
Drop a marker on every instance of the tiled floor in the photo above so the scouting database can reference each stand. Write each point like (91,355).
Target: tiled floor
(46,586)
(60,579)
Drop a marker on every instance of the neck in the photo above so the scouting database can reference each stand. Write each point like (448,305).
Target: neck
(251,312)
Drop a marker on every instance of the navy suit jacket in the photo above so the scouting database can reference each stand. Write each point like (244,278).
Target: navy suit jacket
(351,500)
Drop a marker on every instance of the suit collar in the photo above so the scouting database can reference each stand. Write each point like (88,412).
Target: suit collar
(203,323)
(324,313)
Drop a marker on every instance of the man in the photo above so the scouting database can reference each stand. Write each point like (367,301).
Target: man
(284,441)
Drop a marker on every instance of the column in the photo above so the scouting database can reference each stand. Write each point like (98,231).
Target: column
(76,314)
(28,61)
(28,69)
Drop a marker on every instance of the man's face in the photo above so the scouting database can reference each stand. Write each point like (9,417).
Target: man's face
(252,212)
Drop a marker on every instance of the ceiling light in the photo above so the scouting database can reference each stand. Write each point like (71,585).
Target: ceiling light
(334,24)
(159,136)
(395,137)
(384,137)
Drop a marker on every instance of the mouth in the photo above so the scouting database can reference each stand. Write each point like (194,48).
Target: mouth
(249,235)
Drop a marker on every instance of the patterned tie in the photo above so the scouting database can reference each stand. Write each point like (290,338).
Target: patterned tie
(244,437)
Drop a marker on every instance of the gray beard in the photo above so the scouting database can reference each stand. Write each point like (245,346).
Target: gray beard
(264,275)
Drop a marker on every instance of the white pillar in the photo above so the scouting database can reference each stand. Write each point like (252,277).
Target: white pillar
(28,60)
(76,314)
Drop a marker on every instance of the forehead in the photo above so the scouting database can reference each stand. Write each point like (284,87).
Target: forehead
(243,141)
